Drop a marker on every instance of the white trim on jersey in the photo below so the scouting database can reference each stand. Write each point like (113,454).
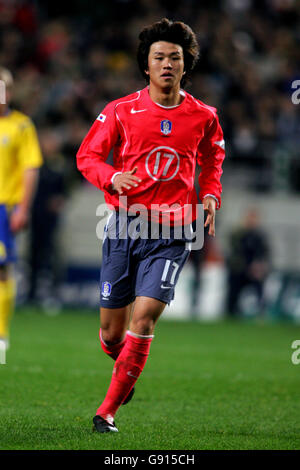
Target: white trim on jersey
(181,92)
(114,175)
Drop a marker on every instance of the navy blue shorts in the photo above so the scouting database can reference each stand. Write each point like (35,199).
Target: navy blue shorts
(139,267)
(7,238)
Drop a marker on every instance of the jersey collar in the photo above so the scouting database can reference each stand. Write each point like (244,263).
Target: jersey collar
(160,107)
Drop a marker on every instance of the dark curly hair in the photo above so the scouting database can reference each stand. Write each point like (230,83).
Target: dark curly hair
(176,32)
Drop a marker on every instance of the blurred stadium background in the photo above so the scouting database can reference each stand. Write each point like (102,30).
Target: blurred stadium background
(69,62)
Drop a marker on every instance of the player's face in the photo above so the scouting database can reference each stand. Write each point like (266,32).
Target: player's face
(165,64)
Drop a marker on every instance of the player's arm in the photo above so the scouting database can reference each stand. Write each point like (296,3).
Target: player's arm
(94,150)
(211,153)
(20,216)
(209,205)
(30,159)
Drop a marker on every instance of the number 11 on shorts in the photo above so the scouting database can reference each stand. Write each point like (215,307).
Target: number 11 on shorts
(167,267)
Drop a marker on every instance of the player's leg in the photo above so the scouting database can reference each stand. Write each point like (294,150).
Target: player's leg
(146,312)
(117,295)
(156,278)
(114,324)
(7,301)
(113,334)
(7,281)
(117,291)
(133,357)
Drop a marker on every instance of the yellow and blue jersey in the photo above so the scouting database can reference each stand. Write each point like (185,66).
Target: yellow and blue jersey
(19,150)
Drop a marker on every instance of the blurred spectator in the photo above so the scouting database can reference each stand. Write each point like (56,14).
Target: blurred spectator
(248,266)
(46,210)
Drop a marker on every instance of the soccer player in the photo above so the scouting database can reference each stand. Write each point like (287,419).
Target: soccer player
(19,165)
(158,135)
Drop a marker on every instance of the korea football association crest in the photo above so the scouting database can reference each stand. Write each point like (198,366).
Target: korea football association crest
(106,289)
(166,126)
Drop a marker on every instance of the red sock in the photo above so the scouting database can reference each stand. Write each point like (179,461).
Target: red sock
(114,350)
(128,368)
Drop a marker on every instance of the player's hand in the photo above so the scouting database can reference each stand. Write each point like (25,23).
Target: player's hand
(126,180)
(209,204)
(18,219)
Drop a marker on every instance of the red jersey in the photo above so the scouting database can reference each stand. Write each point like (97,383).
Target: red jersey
(163,143)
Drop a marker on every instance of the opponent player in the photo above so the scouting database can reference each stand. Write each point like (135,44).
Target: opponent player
(19,165)
(158,135)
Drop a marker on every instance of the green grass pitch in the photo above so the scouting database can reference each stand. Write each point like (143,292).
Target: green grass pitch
(228,385)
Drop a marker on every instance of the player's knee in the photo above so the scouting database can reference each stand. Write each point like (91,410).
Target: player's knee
(143,325)
(111,336)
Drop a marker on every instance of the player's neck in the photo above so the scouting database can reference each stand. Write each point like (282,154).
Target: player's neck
(165,96)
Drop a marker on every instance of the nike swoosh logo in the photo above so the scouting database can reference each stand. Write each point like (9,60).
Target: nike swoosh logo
(131,375)
(133,111)
(220,143)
